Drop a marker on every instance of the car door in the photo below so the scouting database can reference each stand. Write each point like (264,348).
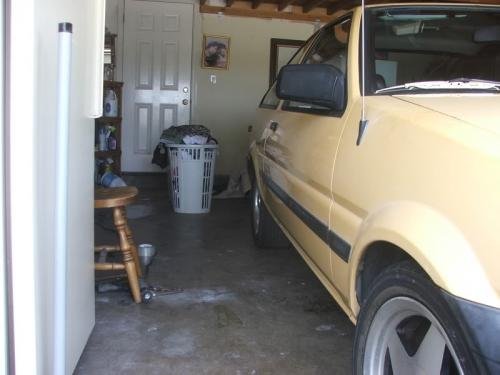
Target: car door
(300,147)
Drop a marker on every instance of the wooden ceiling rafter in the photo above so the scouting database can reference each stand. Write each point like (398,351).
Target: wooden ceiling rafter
(256,3)
(335,6)
(340,5)
(284,3)
(261,13)
(303,10)
(311,4)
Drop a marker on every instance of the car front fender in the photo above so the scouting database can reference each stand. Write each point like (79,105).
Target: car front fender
(433,242)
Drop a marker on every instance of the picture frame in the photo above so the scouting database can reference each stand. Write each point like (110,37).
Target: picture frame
(215,52)
(282,50)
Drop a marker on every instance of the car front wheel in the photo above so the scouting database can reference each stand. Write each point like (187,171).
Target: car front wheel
(406,327)
(266,233)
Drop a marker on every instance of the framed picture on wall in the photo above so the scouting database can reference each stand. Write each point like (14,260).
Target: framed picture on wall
(215,52)
(282,50)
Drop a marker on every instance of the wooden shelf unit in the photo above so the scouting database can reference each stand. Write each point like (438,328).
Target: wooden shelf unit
(116,122)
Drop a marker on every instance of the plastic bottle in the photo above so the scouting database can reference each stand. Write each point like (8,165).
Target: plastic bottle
(111,142)
(109,179)
(102,140)
(110,104)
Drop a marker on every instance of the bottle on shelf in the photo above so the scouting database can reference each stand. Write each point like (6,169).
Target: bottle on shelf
(111,142)
(110,104)
(102,139)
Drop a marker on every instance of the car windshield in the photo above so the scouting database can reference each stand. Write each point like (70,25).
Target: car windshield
(429,49)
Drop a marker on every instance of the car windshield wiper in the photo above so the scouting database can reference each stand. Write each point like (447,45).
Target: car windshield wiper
(453,84)
(475,80)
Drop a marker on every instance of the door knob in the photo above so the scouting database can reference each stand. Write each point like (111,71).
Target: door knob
(185,102)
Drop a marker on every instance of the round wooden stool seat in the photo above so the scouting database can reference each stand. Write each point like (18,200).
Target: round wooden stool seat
(114,197)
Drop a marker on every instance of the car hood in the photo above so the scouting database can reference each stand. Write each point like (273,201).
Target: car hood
(482,110)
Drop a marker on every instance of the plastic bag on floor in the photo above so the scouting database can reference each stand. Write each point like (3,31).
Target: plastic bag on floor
(237,187)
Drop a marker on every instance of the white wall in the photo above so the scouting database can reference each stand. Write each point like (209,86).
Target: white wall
(31,155)
(227,107)
(112,14)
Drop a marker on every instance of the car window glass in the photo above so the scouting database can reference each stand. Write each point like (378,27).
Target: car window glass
(330,48)
(270,100)
(429,44)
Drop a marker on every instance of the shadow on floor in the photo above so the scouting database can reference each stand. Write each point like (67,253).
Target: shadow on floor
(242,310)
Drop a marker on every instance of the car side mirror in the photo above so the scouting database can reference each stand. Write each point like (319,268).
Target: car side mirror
(318,84)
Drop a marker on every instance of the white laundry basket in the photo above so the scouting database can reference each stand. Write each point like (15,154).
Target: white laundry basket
(191,177)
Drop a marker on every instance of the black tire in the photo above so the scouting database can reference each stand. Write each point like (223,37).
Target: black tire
(397,307)
(266,233)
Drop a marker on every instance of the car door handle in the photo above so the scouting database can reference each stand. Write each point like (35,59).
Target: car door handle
(273,126)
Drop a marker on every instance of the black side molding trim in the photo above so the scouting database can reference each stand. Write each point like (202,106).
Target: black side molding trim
(338,245)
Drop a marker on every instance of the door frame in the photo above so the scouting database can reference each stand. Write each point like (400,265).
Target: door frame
(18,209)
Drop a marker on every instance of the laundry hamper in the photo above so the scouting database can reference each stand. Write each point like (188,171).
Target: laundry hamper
(191,177)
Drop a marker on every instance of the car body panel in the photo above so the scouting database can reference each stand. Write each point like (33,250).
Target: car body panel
(304,173)
(481,110)
(396,169)
(425,178)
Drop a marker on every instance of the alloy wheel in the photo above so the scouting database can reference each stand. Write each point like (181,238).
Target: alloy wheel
(406,338)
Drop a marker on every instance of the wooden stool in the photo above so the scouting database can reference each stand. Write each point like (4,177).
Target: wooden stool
(117,199)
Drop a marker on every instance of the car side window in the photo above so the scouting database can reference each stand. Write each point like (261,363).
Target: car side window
(270,100)
(330,48)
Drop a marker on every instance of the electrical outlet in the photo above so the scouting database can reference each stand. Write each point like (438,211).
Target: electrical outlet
(213,79)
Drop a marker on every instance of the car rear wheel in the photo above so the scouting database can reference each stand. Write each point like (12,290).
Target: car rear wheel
(406,327)
(266,233)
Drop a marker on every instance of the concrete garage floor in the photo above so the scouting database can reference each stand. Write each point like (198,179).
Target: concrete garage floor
(242,310)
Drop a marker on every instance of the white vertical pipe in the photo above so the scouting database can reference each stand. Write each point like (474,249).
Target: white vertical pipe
(61,225)
(96,55)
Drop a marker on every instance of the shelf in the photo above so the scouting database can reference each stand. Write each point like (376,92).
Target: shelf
(112,84)
(103,154)
(113,120)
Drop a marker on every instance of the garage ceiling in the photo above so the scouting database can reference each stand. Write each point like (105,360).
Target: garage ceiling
(299,10)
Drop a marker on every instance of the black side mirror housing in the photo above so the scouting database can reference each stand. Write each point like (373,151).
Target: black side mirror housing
(318,84)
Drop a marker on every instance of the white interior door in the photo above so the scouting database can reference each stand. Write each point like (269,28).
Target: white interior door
(157,76)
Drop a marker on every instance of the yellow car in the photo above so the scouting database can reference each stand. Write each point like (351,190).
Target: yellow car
(378,158)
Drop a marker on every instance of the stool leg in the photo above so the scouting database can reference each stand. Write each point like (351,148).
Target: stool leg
(128,259)
(132,244)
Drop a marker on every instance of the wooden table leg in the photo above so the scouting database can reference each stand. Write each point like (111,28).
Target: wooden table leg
(132,244)
(128,258)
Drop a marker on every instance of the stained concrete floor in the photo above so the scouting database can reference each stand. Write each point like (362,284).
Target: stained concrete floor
(242,310)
